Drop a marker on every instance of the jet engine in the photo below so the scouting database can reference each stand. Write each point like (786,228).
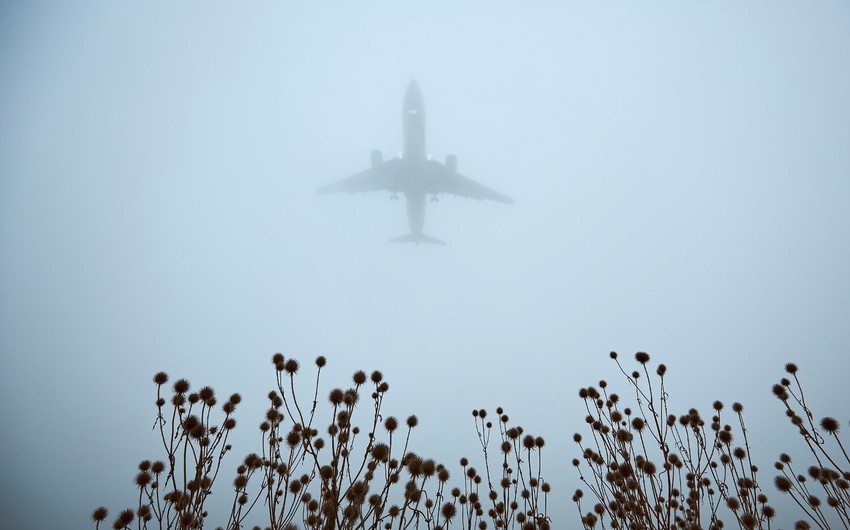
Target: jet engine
(451,164)
(377,159)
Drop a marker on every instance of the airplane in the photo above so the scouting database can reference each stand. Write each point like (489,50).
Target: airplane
(415,174)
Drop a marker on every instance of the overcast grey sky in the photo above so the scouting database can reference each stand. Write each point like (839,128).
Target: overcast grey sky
(681,172)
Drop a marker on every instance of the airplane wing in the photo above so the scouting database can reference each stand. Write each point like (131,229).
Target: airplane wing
(384,176)
(441,179)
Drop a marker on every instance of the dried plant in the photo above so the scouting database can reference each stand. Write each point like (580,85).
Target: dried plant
(830,475)
(649,468)
(643,466)
(347,476)
(516,494)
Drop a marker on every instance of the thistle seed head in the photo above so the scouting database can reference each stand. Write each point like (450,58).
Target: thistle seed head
(830,425)
(782,484)
(291,366)
(391,424)
(335,396)
(99,514)
(181,386)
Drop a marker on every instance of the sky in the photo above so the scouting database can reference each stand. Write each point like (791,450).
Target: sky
(681,174)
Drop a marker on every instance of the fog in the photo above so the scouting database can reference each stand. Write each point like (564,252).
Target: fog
(681,174)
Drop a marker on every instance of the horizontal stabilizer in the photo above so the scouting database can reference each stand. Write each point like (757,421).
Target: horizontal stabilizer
(417,238)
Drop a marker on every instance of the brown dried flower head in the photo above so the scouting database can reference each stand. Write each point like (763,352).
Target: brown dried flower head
(830,425)
(99,514)
(181,386)
(291,366)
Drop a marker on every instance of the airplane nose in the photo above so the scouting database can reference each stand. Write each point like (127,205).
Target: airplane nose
(413,98)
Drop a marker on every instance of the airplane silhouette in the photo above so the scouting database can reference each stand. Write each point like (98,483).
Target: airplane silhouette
(414,173)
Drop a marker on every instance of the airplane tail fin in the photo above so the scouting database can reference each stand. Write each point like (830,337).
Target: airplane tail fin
(417,238)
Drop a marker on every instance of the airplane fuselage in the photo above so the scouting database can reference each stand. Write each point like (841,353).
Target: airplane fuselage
(413,121)
(414,157)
